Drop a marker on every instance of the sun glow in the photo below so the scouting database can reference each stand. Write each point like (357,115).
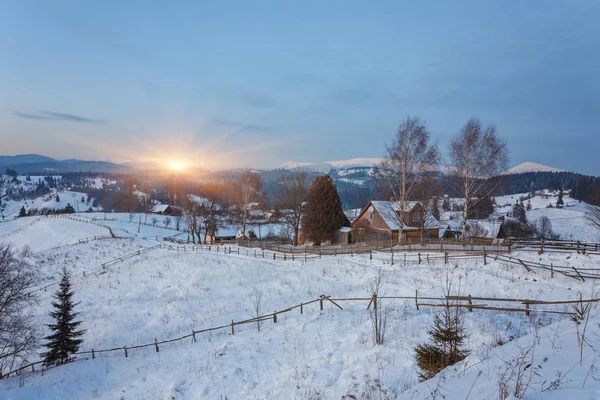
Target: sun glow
(177,165)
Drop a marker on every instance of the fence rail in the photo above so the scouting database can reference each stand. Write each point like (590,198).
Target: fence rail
(466,302)
(559,245)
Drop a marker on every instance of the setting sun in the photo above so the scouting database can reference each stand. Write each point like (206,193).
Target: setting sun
(177,165)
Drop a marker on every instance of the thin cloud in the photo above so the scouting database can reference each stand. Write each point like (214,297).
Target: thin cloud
(56,116)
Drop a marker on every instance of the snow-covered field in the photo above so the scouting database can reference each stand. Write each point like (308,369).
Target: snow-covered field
(315,355)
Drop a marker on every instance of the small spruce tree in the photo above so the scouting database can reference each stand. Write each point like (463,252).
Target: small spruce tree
(69,209)
(528,205)
(435,208)
(57,198)
(22,212)
(447,344)
(560,202)
(64,341)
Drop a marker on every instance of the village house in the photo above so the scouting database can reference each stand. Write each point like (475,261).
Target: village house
(380,221)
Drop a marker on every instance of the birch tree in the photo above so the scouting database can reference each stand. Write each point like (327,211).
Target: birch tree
(292,199)
(247,189)
(409,159)
(478,155)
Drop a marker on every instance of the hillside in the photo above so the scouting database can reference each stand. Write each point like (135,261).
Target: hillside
(314,355)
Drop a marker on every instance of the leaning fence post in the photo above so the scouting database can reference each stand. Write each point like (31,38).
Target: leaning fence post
(194,335)
(417,299)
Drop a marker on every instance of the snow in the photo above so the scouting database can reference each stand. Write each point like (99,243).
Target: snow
(12,208)
(531,167)
(43,233)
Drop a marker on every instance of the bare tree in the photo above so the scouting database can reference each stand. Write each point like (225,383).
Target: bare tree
(377,313)
(246,190)
(478,155)
(167,222)
(408,159)
(18,338)
(178,218)
(593,216)
(257,305)
(292,198)
(154,221)
(192,219)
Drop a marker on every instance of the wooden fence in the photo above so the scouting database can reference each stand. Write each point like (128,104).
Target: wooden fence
(466,302)
(558,245)
(84,220)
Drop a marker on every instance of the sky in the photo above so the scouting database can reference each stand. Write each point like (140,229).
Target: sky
(259,83)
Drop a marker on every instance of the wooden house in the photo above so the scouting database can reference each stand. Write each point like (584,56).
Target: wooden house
(380,220)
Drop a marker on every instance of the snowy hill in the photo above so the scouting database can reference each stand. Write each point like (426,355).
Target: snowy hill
(531,167)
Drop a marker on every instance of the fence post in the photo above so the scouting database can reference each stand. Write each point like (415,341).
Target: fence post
(293,257)
(541,245)
(484,257)
(446,258)
(527,309)
(417,299)
(232,328)
(409,241)
(419,258)
(470,304)
(427,258)
(472,240)
(156,344)
(392,256)
(304,257)
(284,256)
(370,254)
(263,254)
(125,348)
(578,247)
(335,251)
(93,355)
(275,253)
(275,317)
(375,301)
(194,335)
(301,308)
(321,303)
(551,270)
(405,259)
(319,252)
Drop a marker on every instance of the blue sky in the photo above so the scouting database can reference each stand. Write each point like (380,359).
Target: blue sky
(260,83)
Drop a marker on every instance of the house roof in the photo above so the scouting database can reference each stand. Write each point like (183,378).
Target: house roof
(388,209)
(352,214)
(159,208)
(491,227)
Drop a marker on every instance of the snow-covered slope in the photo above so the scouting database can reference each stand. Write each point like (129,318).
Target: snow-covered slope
(315,355)
(531,167)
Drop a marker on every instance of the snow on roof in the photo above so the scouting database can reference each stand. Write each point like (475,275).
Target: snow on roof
(388,209)
(345,229)
(159,208)
(352,214)
(491,227)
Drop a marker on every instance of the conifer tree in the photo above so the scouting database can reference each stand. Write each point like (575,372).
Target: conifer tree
(57,198)
(22,212)
(528,205)
(435,208)
(64,341)
(323,214)
(447,344)
(69,209)
(560,202)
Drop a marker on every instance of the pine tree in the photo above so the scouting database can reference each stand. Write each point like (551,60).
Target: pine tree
(560,202)
(447,344)
(22,212)
(64,341)
(446,204)
(57,198)
(528,205)
(69,209)
(323,214)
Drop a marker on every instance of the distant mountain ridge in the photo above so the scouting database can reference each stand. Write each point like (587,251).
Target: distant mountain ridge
(36,163)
